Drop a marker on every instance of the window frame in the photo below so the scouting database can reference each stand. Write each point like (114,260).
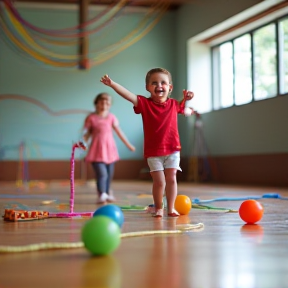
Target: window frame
(216,95)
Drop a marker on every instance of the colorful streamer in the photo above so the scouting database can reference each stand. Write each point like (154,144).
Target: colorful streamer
(32,40)
(71,213)
(264,196)
(42,105)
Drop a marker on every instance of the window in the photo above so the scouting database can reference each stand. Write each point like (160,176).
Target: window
(243,69)
(226,74)
(251,67)
(265,72)
(240,60)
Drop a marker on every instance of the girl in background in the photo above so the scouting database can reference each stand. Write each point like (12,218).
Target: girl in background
(102,152)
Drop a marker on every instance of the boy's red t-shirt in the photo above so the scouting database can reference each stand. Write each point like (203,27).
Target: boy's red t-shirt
(160,125)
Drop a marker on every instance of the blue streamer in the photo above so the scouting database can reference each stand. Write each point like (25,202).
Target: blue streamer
(264,196)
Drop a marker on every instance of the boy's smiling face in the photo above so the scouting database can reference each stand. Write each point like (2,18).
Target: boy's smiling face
(159,87)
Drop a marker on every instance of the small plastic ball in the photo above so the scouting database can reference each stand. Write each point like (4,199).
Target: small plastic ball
(251,211)
(112,211)
(101,235)
(183,204)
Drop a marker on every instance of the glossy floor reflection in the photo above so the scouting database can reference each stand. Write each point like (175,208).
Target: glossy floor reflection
(226,253)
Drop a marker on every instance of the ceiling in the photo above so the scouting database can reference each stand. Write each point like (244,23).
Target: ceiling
(174,4)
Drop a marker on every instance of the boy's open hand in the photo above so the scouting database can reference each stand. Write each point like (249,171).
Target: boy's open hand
(106,80)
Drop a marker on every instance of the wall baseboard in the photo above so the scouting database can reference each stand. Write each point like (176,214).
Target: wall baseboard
(260,169)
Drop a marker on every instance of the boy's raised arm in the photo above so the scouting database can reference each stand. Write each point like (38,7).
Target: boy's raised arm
(187,111)
(119,89)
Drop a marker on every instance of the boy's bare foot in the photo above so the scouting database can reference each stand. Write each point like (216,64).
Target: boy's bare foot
(174,213)
(158,213)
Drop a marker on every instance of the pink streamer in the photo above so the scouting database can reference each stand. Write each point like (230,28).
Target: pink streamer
(72,188)
(70,215)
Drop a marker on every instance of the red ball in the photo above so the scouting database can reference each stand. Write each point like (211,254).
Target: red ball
(251,211)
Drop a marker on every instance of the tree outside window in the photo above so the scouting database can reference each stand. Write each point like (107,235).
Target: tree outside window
(265,73)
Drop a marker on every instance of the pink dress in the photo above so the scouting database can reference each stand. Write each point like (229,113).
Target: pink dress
(103,147)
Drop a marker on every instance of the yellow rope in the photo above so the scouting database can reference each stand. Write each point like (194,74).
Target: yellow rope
(40,246)
(181,229)
(69,245)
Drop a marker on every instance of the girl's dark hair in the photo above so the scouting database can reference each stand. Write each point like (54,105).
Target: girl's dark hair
(101,96)
(158,70)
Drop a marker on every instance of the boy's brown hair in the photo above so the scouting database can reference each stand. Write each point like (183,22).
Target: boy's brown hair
(157,70)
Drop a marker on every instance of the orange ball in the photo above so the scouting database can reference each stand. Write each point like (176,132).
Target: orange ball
(251,211)
(183,204)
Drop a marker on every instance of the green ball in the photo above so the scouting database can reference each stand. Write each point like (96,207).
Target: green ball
(101,235)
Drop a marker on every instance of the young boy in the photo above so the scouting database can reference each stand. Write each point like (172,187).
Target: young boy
(161,138)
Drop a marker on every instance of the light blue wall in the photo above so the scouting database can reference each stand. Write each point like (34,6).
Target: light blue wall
(260,127)
(254,128)
(50,137)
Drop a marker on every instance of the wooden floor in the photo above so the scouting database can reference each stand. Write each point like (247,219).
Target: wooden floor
(225,253)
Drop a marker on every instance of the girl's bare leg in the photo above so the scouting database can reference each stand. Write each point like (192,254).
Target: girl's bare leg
(171,188)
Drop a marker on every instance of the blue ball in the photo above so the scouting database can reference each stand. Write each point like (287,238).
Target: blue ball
(111,211)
